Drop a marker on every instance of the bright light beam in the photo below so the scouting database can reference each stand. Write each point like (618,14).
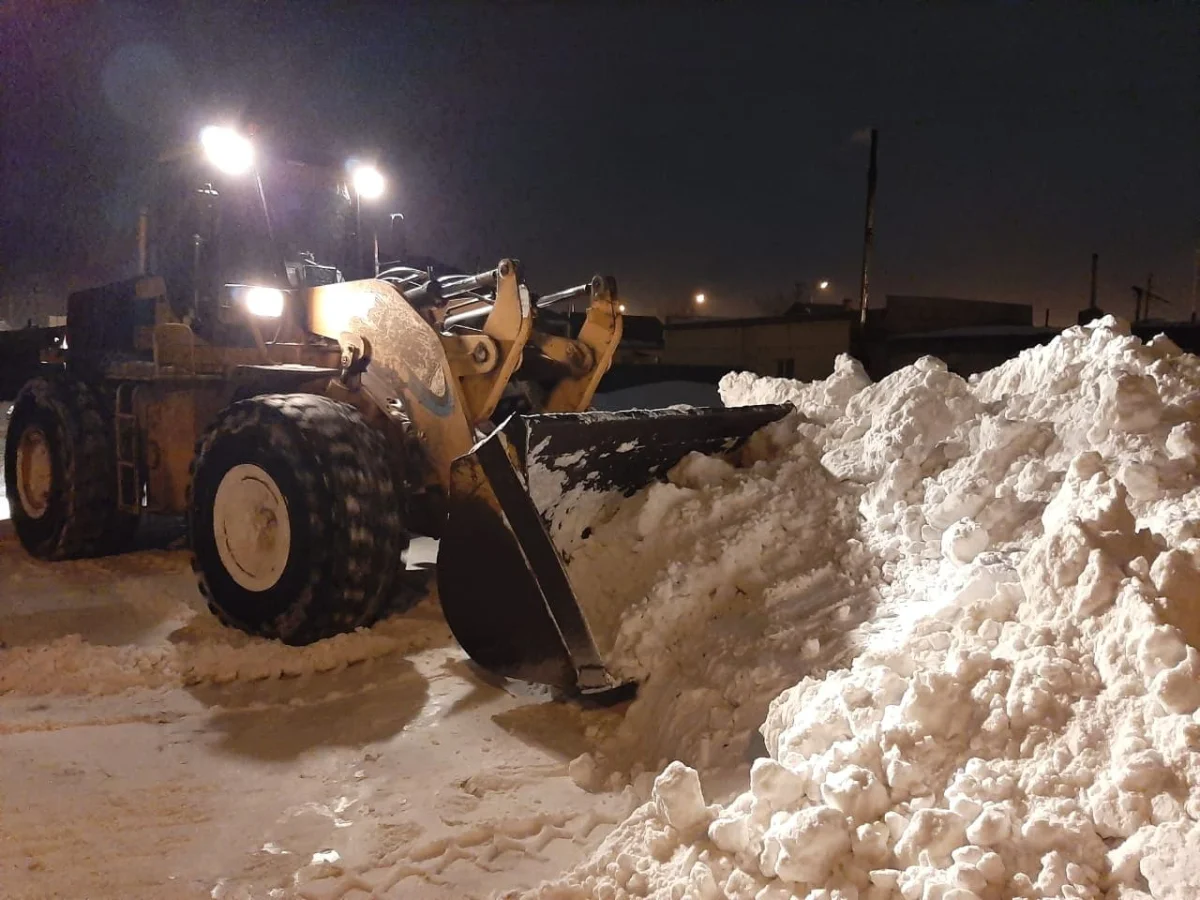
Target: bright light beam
(368,182)
(265,302)
(229,151)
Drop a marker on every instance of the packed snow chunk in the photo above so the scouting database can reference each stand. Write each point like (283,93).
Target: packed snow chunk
(662,500)
(1184,441)
(582,770)
(1090,541)
(964,540)
(931,836)
(1170,861)
(697,470)
(904,417)
(871,845)
(1178,688)
(823,401)
(1176,574)
(775,785)
(804,846)
(857,792)
(991,826)
(680,800)
(932,708)
(1130,402)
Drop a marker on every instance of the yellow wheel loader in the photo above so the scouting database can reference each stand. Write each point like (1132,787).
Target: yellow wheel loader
(308,425)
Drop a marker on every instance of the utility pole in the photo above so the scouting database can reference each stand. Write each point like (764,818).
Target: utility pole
(1143,297)
(1093,310)
(1139,295)
(1195,281)
(143,232)
(1092,292)
(869,228)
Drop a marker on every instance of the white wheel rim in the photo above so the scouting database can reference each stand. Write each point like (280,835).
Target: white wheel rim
(251,527)
(35,472)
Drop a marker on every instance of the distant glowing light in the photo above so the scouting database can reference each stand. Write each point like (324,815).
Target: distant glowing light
(229,151)
(368,182)
(700,299)
(265,302)
(824,285)
(621,307)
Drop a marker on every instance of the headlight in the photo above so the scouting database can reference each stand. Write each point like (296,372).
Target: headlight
(368,182)
(229,151)
(264,302)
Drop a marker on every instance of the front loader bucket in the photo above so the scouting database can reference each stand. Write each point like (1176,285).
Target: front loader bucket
(525,497)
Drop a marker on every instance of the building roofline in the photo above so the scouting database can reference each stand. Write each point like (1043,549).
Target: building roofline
(836,315)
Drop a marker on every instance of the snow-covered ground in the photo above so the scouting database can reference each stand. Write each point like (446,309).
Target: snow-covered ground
(146,752)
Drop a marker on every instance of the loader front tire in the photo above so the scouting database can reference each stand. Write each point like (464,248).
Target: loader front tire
(295,525)
(60,472)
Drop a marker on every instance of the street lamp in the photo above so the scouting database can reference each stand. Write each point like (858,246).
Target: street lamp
(369,184)
(227,150)
(824,285)
(700,299)
(620,307)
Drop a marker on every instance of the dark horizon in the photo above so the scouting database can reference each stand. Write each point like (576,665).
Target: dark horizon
(681,148)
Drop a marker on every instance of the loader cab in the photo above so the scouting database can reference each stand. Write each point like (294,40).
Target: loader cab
(285,225)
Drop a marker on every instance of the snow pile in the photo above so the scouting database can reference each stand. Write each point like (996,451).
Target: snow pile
(1022,718)
(734,572)
(822,401)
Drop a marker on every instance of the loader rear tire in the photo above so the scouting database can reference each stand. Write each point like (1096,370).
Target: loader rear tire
(60,472)
(295,525)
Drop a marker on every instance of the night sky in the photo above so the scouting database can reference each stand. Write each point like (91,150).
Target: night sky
(680,147)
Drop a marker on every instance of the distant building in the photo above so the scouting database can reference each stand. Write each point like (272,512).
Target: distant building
(802,343)
(968,335)
(909,314)
(642,341)
(38,298)
(641,336)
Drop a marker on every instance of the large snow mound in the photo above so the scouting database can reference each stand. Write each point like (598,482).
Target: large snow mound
(733,573)
(1015,716)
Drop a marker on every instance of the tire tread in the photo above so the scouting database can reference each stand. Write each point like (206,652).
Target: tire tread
(341,465)
(93,525)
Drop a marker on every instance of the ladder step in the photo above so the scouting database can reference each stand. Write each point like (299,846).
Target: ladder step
(125,424)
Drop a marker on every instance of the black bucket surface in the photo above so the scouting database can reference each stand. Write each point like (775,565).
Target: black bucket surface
(526,496)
